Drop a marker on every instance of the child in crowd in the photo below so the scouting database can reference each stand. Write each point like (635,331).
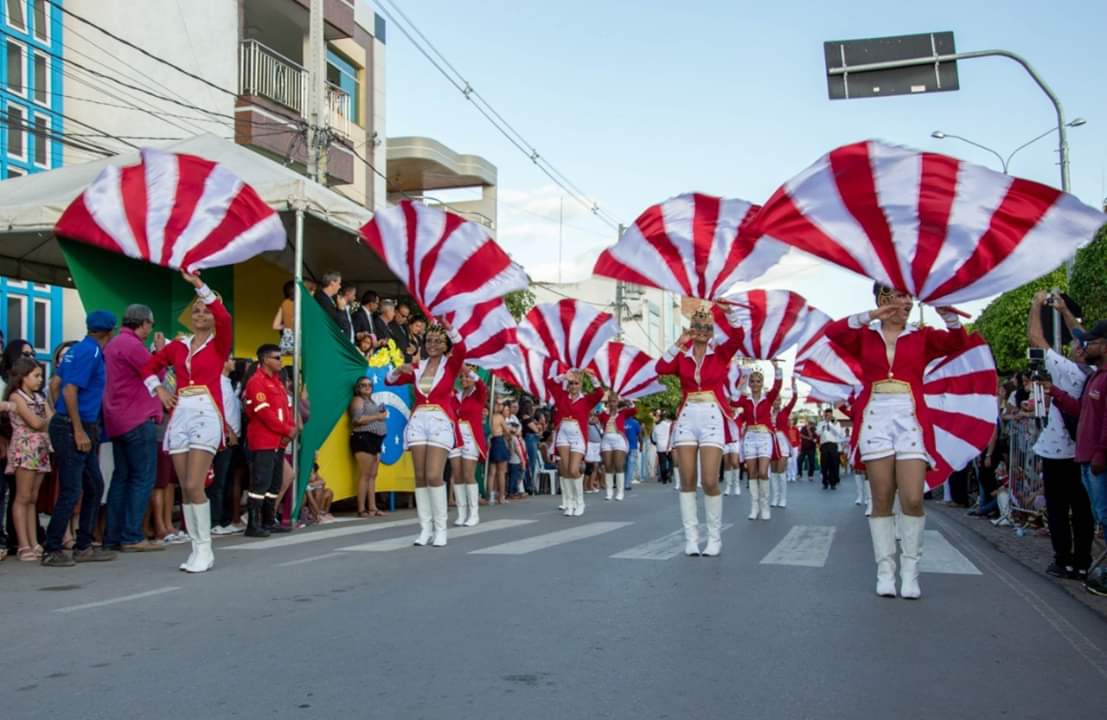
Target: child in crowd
(1003,496)
(319,497)
(28,452)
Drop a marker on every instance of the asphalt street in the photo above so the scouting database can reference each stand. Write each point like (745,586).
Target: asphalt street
(533,615)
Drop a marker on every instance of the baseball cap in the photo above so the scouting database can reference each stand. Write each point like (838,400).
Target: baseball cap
(1098,331)
(100,321)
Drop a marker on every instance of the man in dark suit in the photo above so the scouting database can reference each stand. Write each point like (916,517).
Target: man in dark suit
(328,290)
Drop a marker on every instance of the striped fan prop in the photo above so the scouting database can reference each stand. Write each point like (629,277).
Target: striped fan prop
(445,261)
(490,334)
(943,230)
(834,377)
(530,373)
(960,394)
(735,376)
(772,321)
(626,370)
(693,244)
(177,211)
(569,331)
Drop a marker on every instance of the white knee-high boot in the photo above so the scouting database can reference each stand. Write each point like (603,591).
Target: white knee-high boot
(461,499)
(439,509)
(728,479)
(737,475)
(782,501)
(755,499)
(609,485)
(473,493)
(764,490)
(868,498)
(426,519)
(713,511)
(620,486)
(689,519)
(563,487)
(883,531)
(578,494)
(774,489)
(910,554)
(860,483)
(202,558)
(568,492)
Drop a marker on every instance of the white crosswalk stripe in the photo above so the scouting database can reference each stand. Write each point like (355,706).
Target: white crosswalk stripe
(317,535)
(662,548)
(939,556)
(548,540)
(454,533)
(804,546)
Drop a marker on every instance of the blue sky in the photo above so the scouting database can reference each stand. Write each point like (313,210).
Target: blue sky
(638,101)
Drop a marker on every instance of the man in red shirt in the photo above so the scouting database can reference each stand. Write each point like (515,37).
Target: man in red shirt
(271,427)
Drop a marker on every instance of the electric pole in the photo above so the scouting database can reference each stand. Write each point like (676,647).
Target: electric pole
(619,302)
(318,136)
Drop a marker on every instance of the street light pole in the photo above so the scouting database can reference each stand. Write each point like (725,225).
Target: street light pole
(1004,162)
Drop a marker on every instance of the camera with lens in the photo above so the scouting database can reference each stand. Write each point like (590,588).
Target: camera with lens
(1035,361)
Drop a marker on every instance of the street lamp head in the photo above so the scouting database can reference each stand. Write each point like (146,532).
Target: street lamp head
(938,135)
(1077,122)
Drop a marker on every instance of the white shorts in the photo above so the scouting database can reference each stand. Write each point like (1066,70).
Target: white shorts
(757,444)
(891,429)
(700,424)
(613,442)
(569,435)
(468,449)
(783,447)
(592,452)
(733,448)
(429,427)
(194,425)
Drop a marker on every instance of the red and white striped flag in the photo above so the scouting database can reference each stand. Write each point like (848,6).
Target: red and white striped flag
(772,321)
(569,331)
(940,229)
(695,245)
(490,334)
(530,373)
(176,211)
(445,261)
(626,370)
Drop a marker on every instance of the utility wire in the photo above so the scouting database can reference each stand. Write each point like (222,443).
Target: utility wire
(492,115)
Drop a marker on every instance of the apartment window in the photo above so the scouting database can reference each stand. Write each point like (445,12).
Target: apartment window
(14,172)
(42,78)
(17,142)
(17,68)
(344,74)
(17,310)
(15,14)
(42,140)
(42,20)
(41,340)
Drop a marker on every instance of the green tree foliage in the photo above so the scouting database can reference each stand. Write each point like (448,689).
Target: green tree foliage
(519,302)
(1003,322)
(666,402)
(1088,286)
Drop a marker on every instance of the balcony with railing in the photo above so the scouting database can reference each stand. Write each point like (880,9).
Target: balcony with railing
(265,73)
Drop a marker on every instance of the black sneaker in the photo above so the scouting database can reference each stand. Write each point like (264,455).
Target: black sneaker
(1058,571)
(93,554)
(58,558)
(1080,574)
(1096,583)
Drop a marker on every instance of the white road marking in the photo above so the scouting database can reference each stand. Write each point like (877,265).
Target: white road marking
(454,532)
(114,601)
(663,548)
(939,556)
(316,536)
(541,542)
(804,546)
(301,561)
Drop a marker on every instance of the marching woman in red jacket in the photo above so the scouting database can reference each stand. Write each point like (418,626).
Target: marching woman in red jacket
(757,438)
(469,446)
(613,447)
(894,434)
(703,425)
(430,430)
(195,430)
(778,470)
(573,409)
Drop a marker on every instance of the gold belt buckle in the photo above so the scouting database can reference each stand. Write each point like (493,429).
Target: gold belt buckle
(757,428)
(428,407)
(192,391)
(701,396)
(891,387)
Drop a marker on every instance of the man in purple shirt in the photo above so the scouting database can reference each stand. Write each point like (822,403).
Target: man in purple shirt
(130,415)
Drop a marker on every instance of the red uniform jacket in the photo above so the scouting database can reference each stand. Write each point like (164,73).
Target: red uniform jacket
(761,411)
(621,418)
(782,423)
(266,403)
(203,367)
(470,409)
(711,375)
(578,409)
(914,350)
(441,393)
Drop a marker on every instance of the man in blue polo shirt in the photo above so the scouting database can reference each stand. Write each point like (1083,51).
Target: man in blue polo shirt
(75,435)
(634,443)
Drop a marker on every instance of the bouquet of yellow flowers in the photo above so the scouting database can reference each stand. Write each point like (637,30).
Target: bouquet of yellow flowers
(388,355)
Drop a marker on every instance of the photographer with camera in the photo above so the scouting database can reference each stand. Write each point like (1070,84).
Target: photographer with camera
(1056,446)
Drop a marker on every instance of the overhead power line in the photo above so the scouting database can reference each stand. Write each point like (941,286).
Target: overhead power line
(427,49)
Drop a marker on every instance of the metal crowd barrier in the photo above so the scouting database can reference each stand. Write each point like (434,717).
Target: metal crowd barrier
(1024,470)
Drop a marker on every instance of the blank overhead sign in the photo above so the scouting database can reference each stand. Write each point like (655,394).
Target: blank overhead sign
(926,75)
